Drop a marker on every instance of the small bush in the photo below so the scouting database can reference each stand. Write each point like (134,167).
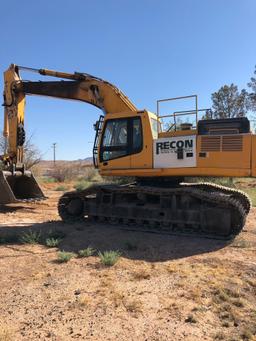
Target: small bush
(81,185)
(65,171)
(31,237)
(64,257)
(89,251)
(89,173)
(133,305)
(61,188)
(60,173)
(47,179)
(109,258)
(52,242)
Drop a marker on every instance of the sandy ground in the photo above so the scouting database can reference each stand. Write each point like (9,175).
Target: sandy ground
(162,288)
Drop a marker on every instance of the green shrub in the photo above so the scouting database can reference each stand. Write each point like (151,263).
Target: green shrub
(81,185)
(61,188)
(30,237)
(52,242)
(64,257)
(47,179)
(109,258)
(89,251)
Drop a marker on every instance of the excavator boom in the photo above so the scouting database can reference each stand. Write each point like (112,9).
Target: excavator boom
(17,183)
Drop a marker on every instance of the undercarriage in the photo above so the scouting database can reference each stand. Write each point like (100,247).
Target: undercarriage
(203,209)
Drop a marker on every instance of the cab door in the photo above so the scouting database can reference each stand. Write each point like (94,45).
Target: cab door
(121,139)
(114,147)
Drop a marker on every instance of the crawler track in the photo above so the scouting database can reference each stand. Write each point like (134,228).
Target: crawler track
(203,209)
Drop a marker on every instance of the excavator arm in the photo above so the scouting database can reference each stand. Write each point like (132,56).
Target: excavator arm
(79,86)
(15,182)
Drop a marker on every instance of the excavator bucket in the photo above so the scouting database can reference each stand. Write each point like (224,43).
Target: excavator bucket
(19,187)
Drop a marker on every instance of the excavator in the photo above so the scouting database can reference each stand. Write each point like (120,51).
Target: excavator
(135,143)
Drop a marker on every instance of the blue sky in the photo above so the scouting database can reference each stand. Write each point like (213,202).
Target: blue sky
(149,49)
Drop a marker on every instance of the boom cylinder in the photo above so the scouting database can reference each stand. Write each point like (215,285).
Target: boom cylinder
(52,73)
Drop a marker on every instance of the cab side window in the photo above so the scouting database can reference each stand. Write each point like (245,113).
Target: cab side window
(115,139)
(136,135)
(121,137)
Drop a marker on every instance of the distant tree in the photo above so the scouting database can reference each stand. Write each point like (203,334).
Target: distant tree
(252,95)
(228,102)
(32,155)
(208,115)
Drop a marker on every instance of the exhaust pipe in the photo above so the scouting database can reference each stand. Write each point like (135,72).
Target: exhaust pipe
(19,187)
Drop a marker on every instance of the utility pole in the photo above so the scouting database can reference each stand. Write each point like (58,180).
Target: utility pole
(54,153)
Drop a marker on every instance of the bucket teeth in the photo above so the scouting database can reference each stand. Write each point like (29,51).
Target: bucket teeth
(19,187)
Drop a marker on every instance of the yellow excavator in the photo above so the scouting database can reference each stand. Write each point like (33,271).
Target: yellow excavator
(135,143)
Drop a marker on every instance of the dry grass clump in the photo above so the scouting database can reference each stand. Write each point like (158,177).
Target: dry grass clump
(241,243)
(83,301)
(31,237)
(132,305)
(141,274)
(89,251)
(61,188)
(173,268)
(174,309)
(109,258)
(117,297)
(64,257)
(81,185)
(228,295)
(52,242)
(6,333)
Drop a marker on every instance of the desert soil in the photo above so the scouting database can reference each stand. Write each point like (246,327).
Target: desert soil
(162,288)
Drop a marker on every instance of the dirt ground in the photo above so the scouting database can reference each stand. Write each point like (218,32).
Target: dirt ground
(162,288)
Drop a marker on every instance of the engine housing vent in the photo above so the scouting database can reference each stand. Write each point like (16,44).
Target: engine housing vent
(227,143)
(210,143)
(232,143)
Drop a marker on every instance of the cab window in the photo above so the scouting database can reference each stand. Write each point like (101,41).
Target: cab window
(121,137)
